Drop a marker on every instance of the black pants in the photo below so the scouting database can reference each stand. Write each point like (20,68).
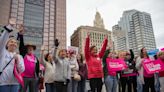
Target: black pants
(50,87)
(96,84)
(149,83)
(31,84)
(60,86)
(129,81)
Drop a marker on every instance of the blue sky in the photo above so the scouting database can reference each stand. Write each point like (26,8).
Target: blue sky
(82,12)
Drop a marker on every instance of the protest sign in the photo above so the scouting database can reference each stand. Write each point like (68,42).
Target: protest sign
(73,49)
(153,66)
(115,64)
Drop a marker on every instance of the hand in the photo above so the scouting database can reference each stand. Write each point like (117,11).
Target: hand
(16,57)
(43,48)
(68,81)
(12,21)
(21,29)
(56,43)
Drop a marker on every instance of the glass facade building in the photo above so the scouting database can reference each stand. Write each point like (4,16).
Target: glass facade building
(33,22)
(138,30)
(44,20)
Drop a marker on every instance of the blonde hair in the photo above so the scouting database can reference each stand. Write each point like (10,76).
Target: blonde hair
(12,38)
(160,53)
(60,50)
(122,54)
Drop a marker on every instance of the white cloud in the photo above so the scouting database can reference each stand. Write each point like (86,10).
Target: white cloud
(82,12)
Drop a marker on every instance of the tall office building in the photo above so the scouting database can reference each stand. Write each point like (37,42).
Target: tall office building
(137,31)
(119,38)
(44,20)
(97,32)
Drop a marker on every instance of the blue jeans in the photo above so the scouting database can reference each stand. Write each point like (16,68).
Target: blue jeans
(81,86)
(72,86)
(157,83)
(50,87)
(139,85)
(9,88)
(111,83)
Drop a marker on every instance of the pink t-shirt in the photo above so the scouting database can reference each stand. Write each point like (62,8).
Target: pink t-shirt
(112,73)
(29,62)
(145,73)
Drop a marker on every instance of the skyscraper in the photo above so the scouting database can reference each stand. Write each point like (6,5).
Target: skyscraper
(97,32)
(137,31)
(44,20)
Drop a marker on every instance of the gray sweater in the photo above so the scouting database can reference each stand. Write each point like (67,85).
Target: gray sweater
(63,70)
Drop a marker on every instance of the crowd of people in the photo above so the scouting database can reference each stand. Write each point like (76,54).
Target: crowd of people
(64,70)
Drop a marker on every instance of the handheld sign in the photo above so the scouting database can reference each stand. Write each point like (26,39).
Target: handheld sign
(73,49)
(115,64)
(153,66)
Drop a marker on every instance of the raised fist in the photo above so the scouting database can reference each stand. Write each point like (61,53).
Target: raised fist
(56,42)
(12,21)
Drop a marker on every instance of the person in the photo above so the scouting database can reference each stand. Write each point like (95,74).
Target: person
(161,74)
(83,73)
(72,86)
(62,71)
(49,65)
(110,77)
(94,64)
(156,76)
(121,56)
(128,76)
(9,60)
(144,78)
(31,73)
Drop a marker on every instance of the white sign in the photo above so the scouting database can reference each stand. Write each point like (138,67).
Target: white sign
(73,49)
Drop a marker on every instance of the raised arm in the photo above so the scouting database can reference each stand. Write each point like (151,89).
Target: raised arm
(101,53)
(132,55)
(106,55)
(42,61)
(87,51)
(4,38)
(22,48)
(55,54)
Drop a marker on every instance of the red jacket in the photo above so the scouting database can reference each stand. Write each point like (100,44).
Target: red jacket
(94,63)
